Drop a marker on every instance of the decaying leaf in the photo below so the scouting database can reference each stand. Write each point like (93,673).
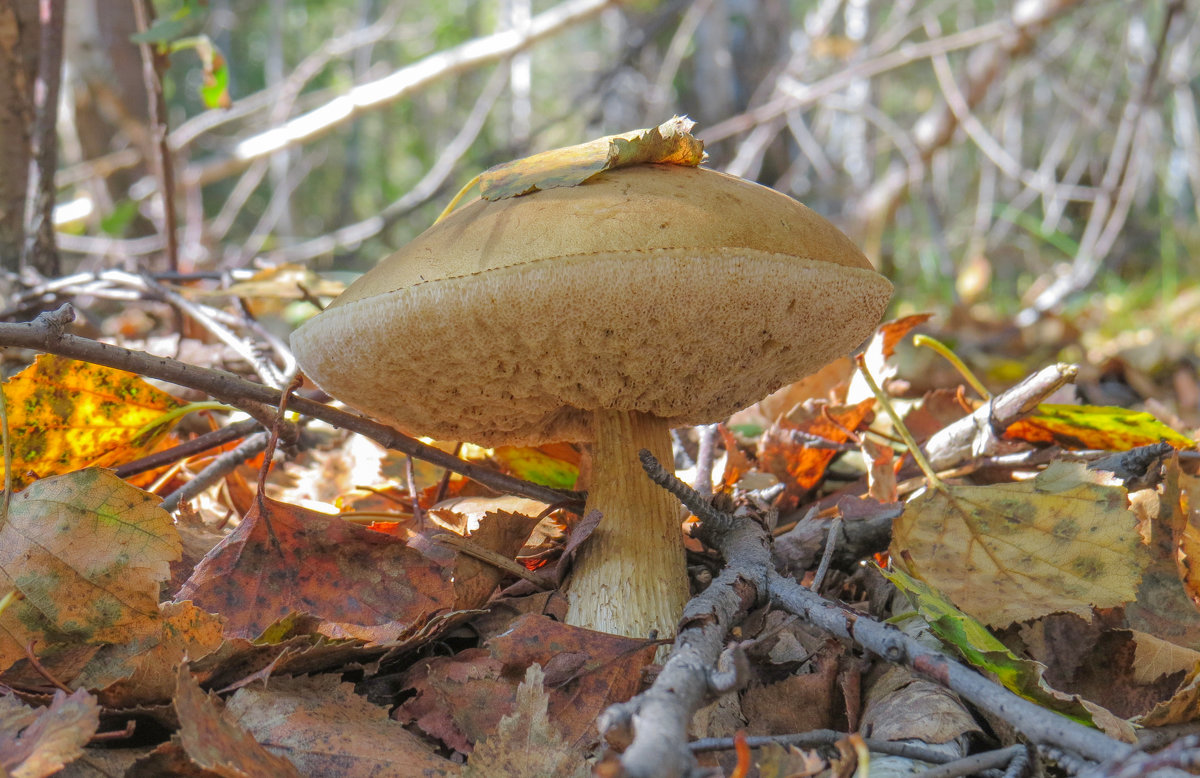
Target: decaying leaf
(88,552)
(327,729)
(526,742)
(215,742)
(39,742)
(982,649)
(1104,428)
(671,142)
(1062,541)
(283,559)
(65,415)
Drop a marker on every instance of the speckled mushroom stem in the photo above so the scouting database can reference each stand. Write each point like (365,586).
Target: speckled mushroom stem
(630,577)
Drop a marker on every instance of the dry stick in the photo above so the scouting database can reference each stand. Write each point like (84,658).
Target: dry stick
(151,73)
(976,763)
(196,445)
(1034,722)
(979,433)
(655,722)
(216,470)
(705,454)
(824,737)
(46,333)
(835,527)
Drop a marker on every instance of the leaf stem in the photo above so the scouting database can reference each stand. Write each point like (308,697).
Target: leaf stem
(449,209)
(918,456)
(952,358)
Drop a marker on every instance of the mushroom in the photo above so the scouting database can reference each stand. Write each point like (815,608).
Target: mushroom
(649,297)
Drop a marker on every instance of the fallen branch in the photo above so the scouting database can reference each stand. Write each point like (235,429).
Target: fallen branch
(46,333)
(1037,724)
(979,434)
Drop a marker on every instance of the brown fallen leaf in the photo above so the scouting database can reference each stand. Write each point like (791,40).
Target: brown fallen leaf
(215,742)
(40,742)
(326,729)
(526,742)
(461,699)
(283,559)
(88,552)
(1062,541)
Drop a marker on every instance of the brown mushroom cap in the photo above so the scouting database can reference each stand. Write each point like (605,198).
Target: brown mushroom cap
(676,291)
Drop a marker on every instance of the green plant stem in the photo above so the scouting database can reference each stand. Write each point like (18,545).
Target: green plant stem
(952,358)
(178,413)
(918,456)
(449,209)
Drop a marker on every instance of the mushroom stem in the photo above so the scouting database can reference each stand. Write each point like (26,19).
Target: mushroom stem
(630,576)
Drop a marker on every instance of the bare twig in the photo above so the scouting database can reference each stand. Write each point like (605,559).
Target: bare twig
(217,469)
(196,445)
(824,737)
(831,538)
(47,334)
(152,67)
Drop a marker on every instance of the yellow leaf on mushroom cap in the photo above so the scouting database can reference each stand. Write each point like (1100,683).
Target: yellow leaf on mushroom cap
(671,142)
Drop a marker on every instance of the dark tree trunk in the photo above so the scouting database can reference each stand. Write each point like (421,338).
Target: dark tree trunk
(19,38)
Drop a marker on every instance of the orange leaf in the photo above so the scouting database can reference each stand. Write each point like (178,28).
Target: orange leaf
(785,452)
(65,415)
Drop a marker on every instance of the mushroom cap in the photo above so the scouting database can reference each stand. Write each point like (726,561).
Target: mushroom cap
(676,291)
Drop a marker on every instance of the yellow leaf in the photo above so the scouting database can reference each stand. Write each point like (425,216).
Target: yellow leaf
(1094,426)
(88,552)
(671,142)
(65,415)
(1063,541)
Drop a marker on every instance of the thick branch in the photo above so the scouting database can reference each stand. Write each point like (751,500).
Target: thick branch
(46,334)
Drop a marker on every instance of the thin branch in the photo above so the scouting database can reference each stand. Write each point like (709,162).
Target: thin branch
(152,67)
(387,90)
(47,334)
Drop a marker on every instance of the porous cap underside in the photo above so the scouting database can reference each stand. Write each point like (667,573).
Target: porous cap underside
(675,291)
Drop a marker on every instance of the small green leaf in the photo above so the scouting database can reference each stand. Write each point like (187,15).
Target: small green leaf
(1107,428)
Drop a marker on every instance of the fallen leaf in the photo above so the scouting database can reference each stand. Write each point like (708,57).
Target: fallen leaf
(526,743)
(1105,428)
(1062,541)
(37,743)
(88,552)
(461,699)
(283,559)
(787,451)
(901,705)
(215,742)
(324,728)
(670,143)
(775,761)
(65,415)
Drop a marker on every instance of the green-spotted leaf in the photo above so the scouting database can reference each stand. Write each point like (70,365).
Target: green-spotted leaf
(1062,541)
(671,142)
(88,552)
(64,415)
(1103,427)
(981,648)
